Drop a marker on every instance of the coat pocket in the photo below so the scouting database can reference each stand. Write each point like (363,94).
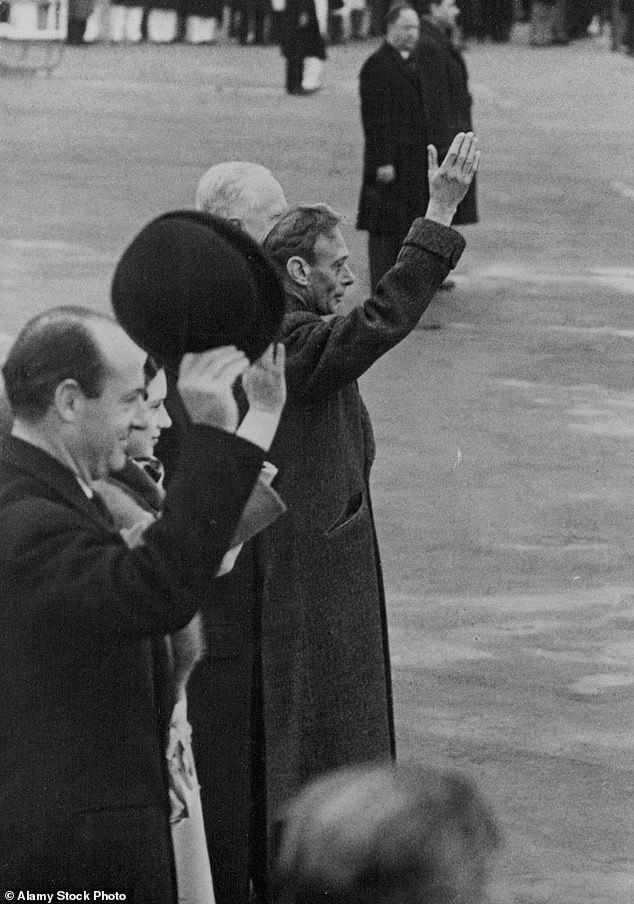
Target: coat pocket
(353,508)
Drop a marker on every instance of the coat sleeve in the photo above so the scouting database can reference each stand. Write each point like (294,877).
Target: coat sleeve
(323,355)
(69,575)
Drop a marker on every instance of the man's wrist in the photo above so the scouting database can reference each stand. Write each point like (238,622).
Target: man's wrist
(259,427)
(440,213)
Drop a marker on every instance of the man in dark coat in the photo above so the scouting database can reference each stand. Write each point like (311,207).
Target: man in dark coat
(395,189)
(444,77)
(300,38)
(84,799)
(259,727)
(325,671)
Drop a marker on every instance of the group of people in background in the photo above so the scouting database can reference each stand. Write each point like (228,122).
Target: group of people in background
(315,23)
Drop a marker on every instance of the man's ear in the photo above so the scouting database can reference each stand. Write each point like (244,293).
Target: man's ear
(298,270)
(68,400)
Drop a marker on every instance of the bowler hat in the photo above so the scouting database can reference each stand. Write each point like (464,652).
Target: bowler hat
(190,282)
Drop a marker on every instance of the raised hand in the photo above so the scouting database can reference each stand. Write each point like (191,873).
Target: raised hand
(265,388)
(449,182)
(205,384)
(263,383)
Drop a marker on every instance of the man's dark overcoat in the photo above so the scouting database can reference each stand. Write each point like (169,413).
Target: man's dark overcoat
(395,131)
(80,728)
(296,633)
(444,78)
(300,36)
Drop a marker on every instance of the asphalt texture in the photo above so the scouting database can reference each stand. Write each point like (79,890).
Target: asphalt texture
(503,486)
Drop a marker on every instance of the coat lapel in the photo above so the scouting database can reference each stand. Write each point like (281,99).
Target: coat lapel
(47,470)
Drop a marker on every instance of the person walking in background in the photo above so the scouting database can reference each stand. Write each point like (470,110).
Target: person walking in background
(303,28)
(395,189)
(445,82)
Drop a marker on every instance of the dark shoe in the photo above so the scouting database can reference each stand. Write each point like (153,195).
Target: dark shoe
(447,285)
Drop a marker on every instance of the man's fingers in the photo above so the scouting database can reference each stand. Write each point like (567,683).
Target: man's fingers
(229,372)
(209,364)
(467,149)
(454,147)
(279,351)
(432,158)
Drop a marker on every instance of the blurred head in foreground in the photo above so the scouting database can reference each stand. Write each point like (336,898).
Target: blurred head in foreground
(387,834)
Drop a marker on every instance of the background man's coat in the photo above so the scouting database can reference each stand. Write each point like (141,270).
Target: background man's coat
(444,78)
(395,131)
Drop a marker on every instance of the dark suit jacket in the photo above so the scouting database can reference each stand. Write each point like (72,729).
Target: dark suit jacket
(395,129)
(78,608)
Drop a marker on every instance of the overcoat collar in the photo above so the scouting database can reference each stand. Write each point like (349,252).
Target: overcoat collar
(441,36)
(407,67)
(43,467)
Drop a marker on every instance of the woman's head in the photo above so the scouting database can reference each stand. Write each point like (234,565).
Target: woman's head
(145,434)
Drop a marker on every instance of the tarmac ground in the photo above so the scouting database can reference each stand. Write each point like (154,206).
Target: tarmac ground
(503,482)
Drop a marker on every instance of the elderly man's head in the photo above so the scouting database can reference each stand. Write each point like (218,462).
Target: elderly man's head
(245,193)
(402,27)
(76,383)
(386,834)
(310,252)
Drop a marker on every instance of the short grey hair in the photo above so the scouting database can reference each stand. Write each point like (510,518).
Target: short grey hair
(230,189)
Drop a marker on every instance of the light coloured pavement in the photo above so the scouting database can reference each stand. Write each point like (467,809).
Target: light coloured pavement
(504,487)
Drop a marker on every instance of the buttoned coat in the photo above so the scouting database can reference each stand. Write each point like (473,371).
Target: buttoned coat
(80,729)
(297,678)
(444,78)
(395,131)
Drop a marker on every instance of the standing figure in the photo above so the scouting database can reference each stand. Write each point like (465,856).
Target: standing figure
(302,37)
(324,681)
(395,188)
(79,11)
(84,797)
(444,77)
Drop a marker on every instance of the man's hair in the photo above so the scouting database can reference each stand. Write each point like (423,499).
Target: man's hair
(151,368)
(395,11)
(54,346)
(296,233)
(383,834)
(228,190)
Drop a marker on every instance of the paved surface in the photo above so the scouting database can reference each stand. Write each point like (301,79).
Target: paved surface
(504,482)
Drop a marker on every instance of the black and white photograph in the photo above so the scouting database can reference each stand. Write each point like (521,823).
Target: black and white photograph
(317,451)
